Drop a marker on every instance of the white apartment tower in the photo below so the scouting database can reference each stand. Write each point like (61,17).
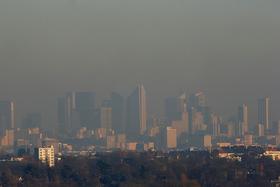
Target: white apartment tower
(45,155)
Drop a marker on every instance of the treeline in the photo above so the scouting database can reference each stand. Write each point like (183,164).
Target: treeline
(121,169)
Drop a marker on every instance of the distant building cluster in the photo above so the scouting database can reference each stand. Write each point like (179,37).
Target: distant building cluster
(120,123)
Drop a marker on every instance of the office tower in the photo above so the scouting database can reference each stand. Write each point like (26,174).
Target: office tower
(77,110)
(106,117)
(32,120)
(171,138)
(243,126)
(206,111)
(215,125)
(7,115)
(264,112)
(182,103)
(175,106)
(171,108)
(230,126)
(197,123)
(85,106)
(45,155)
(117,105)
(182,125)
(136,112)
(72,120)
(8,138)
(260,130)
(197,101)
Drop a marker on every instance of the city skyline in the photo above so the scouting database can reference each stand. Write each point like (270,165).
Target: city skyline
(139,93)
(197,48)
(254,119)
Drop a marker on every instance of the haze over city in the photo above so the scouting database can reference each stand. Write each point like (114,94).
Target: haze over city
(133,93)
(226,48)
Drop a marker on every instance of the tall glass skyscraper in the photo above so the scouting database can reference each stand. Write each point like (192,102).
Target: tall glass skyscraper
(264,112)
(243,126)
(76,110)
(137,112)
(7,115)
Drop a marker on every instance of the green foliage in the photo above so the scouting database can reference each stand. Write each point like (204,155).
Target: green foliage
(141,169)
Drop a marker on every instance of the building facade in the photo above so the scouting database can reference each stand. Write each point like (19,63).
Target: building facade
(264,112)
(137,112)
(45,155)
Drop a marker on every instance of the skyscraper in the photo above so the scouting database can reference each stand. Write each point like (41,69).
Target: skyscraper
(137,112)
(175,107)
(171,138)
(7,115)
(76,110)
(197,108)
(215,127)
(197,101)
(197,124)
(243,126)
(106,117)
(117,105)
(85,106)
(264,112)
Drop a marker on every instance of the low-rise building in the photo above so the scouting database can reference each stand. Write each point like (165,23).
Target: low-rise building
(275,155)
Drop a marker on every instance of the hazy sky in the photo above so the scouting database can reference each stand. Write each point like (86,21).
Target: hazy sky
(228,48)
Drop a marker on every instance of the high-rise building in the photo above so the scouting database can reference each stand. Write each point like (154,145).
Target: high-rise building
(7,115)
(215,128)
(85,106)
(106,117)
(171,112)
(243,125)
(197,101)
(77,110)
(230,128)
(137,112)
(175,106)
(117,105)
(264,112)
(197,123)
(182,125)
(8,138)
(260,130)
(197,107)
(207,115)
(45,155)
(171,138)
